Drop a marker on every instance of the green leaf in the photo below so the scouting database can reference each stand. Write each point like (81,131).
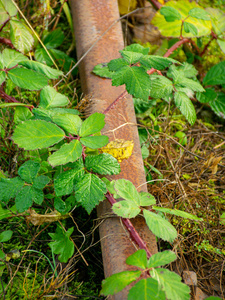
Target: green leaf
(161,86)
(5,213)
(213,298)
(20,36)
(216,75)
(137,48)
(53,39)
(62,244)
(161,259)
(5,236)
(110,187)
(42,56)
(171,284)
(159,226)
(7,8)
(70,123)
(47,114)
(92,124)
(126,190)
(2,76)
(137,81)
(207,96)
(218,105)
(102,70)
(12,57)
(138,259)
(217,19)
(27,79)
(199,13)
(104,164)
(171,14)
(126,209)
(146,199)
(37,134)
(188,27)
(59,204)
(22,114)
(189,83)
(29,170)
(4,105)
(157,62)
(64,182)
(40,182)
(67,153)
(23,199)
(117,282)
(41,69)
(177,212)
(116,64)
(37,195)
(188,70)
(94,142)
(131,57)
(146,289)
(63,60)
(186,106)
(89,191)
(9,188)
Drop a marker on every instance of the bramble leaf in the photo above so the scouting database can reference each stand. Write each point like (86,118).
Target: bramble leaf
(157,62)
(116,64)
(138,259)
(37,134)
(126,209)
(216,75)
(159,226)
(199,13)
(161,86)
(9,188)
(102,70)
(7,8)
(67,153)
(126,190)
(207,96)
(22,114)
(29,170)
(104,164)
(94,142)
(117,282)
(5,213)
(171,14)
(131,57)
(89,191)
(137,48)
(171,284)
(177,212)
(37,195)
(92,124)
(70,123)
(5,236)
(186,106)
(161,259)
(53,39)
(40,182)
(62,244)
(137,81)
(146,199)
(23,199)
(218,105)
(12,57)
(188,27)
(41,69)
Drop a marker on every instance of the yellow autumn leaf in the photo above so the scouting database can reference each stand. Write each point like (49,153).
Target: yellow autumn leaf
(119,148)
(126,6)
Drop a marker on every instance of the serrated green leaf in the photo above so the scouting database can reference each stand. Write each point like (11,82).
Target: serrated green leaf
(131,57)
(37,134)
(102,70)
(146,289)
(37,195)
(207,96)
(23,199)
(5,236)
(116,64)
(89,191)
(9,188)
(188,27)
(217,19)
(41,69)
(126,209)
(95,142)
(53,39)
(22,114)
(117,282)
(62,244)
(161,259)
(20,36)
(27,79)
(47,114)
(7,8)
(171,284)
(110,187)
(188,70)
(177,212)
(29,170)
(5,213)
(12,57)
(146,199)
(137,81)
(216,75)
(40,182)
(126,190)
(189,83)
(70,123)
(138,259)
(137,48)
(42,56)
(161,86)
(186,106)
(92,124)
(171,14)
(157,62)
(64,182)
(59,204)
(199,13)
(159,226)
(67,153)
(104,164)
(218,105)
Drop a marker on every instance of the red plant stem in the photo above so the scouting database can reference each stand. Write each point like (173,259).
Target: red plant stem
(156,4)
(3,25)
(214,36)
(115,101)
(6,97)
(133,233)
(175,46)
(6,42)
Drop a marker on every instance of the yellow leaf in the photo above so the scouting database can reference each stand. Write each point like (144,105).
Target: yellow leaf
(120,149)
(37,219)
(126,6)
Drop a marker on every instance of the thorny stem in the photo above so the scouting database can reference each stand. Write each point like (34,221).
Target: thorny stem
(156,4)
(115,101)
(127,223)
(213,37)
(6,42)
